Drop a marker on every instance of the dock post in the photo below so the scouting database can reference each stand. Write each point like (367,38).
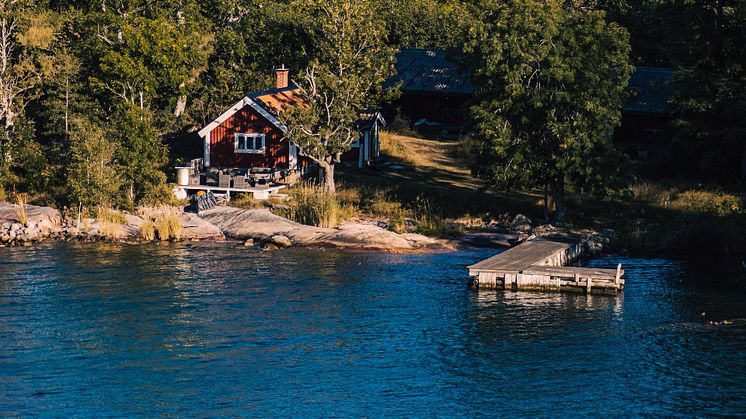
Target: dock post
(618,274)
(588,283)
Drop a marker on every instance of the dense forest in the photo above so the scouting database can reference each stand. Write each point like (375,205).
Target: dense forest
(99,98)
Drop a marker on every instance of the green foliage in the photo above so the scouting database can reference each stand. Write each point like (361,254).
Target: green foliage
(552,83)
(350,62)
(143,157)
(439,24)
(93,174)
(711,84)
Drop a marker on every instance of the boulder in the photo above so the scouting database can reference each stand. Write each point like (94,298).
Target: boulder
(423,242)
(270,246)
(195,227)
(281,241)
(35,214)
(131,227)
(261,224)
(521,223)
(248,243)
(490,239)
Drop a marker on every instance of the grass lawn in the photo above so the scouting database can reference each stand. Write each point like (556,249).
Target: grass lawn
(673,217)
(418,167)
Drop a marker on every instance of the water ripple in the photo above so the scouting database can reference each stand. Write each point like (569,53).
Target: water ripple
(217,330)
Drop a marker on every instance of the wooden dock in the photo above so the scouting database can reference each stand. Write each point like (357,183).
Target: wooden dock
(539,264)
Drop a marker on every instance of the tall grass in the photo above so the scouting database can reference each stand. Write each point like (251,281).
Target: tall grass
(246,201)
(110,222)
(689,200)
(163,223)
(147,230)
(431,221)
(312,205)
(20,208)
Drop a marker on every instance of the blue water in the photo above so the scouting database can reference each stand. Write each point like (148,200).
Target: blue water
(108,330)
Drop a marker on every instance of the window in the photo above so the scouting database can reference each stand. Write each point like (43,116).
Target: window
(249,143)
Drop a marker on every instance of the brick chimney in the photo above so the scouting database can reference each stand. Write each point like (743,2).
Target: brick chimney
(282,77)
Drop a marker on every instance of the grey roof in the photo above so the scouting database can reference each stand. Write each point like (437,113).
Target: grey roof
(430,71)
(650,90)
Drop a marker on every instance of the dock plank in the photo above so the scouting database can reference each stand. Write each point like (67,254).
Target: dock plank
(570,271)
(540,264)
(522,256)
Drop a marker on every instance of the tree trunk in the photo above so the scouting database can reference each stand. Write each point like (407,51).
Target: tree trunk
(327,177)
(557,187)
(181,103)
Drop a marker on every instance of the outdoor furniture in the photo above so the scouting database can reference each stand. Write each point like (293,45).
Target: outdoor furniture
(239,182)
(194,179)
(224,181)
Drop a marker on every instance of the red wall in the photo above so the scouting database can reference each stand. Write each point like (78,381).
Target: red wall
(247,120)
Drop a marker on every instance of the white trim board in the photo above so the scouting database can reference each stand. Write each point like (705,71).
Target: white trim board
(237,107)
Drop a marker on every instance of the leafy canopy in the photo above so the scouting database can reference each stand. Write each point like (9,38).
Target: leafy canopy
(552,83)
(351,61)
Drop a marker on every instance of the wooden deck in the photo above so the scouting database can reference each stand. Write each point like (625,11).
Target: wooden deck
(539,264)
(257,192)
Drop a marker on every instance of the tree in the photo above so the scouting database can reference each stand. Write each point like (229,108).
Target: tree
(21,38)
(142,155)
(92,174)
(553,80)
(425,23)
(711,84)
(350,63)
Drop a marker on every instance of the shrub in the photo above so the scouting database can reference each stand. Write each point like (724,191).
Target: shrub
(466,150)
(705,202)
(3,196)
(20,208)
(312,205)
(401,124)
(652,193)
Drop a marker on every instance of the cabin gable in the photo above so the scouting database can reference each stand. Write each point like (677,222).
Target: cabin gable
(247,120)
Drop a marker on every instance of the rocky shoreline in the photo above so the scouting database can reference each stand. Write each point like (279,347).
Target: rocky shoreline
(252,227)
(262,228)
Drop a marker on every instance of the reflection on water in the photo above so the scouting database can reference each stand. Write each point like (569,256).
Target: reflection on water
(220,330)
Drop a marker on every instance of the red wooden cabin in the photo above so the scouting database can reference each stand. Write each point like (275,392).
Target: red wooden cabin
(249,134)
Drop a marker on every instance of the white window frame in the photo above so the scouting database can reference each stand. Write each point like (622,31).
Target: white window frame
(245,138)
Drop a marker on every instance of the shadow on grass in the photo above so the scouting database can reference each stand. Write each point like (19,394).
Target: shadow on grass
(455,194)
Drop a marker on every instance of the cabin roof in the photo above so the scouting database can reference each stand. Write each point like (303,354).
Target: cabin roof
(430,71)
(275,100)
(368,119)
(650,90)
(269,104)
